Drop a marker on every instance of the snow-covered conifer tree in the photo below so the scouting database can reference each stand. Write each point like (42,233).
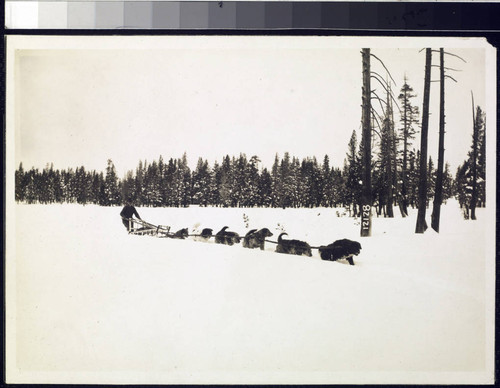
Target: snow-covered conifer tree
(407,132)
(20,184)
(111,189)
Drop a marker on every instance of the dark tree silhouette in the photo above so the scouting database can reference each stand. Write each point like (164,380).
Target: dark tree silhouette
(409,119)
(366,201)
(422,187)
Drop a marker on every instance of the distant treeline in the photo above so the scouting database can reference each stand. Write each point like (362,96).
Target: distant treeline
(241,182)
(235,182)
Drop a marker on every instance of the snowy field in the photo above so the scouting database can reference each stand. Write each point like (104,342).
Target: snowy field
(91,303)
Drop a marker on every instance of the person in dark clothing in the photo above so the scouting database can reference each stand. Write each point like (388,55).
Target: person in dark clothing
(127,213)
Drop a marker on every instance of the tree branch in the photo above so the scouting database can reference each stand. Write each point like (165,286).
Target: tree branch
(450,77)
(380,82)
(374,130)
(391,94)
(388,72)
(454,55)
(382,78)
(379,100)
(447,68)
(375,117)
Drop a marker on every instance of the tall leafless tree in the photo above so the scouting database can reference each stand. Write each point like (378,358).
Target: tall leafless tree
(438,192)
(421,225)
(366,200)
(438,195)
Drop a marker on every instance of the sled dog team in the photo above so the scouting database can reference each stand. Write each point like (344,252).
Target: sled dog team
(339,250)
(255,238)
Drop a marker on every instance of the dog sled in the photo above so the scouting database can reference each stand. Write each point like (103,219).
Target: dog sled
(140,227)
(343,249)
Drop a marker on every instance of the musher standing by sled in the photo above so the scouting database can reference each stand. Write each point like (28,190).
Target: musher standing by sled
(127,213)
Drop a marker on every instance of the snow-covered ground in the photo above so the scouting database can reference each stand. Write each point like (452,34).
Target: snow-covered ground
(90,303)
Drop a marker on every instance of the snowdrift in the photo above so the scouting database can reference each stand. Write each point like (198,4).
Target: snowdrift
(94,304)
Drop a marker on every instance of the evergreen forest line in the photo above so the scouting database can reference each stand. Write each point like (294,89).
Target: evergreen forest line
(290,183)
(235,182)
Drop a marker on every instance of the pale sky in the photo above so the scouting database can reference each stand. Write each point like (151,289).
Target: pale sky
(81,106)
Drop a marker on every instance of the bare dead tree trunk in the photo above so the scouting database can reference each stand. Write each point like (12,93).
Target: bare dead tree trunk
(389,163)
(404,175)
(422,187)
(473,199)
(366,200)
(438,195)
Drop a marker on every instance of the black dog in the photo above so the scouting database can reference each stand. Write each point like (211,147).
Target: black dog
(256,238)
(293,247)
(340,249)
(226,237)
(204,235)
(182,234)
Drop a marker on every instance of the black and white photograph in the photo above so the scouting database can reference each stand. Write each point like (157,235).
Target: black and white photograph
(250,210)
